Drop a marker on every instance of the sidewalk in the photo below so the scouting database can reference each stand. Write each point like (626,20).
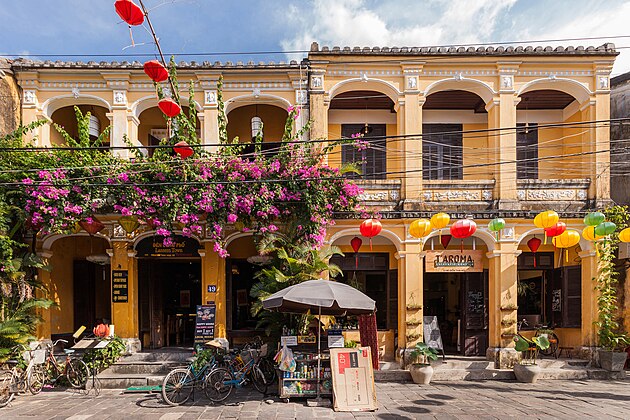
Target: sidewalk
(447,400)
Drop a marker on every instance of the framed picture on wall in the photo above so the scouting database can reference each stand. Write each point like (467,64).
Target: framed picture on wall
(184,298)
(241,297)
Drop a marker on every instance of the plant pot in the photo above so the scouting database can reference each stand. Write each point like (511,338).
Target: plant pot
(612,361)
(527,373)
(421,374)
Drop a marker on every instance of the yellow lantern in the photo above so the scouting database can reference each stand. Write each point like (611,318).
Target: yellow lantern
(440,221)
(420,228)
(624,235)
(545,220)
(567,239)
(588,233)
(129,223)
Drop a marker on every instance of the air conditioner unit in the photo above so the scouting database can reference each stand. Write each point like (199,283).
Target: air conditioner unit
(624,250)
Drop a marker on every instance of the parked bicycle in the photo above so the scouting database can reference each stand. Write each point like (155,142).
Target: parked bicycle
(74,370)
(554,341)
(25,374)
(180,383)
(244,368)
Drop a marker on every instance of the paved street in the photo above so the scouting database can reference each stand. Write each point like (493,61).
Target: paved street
(447,400)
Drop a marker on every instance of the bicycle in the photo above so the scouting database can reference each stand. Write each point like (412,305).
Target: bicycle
(554,341)
(75,371)
(18,379)
(243,369)
(180,383)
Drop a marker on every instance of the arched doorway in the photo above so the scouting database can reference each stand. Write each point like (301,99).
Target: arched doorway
(455,292)
(169,289)
(66,118)
(152,128)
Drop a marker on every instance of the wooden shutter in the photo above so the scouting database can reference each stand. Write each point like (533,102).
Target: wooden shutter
(373,160)
(572,296)
(392,301)
(442,151)
(527,151)
(554,301)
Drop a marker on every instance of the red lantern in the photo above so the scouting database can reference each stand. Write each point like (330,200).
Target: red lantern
(445,240)
(555,230)
(463,229)
(156,71)
(183,149)
(129,12)
(533,245)
(370,228)
(356,245)
(92,225)
(169,107)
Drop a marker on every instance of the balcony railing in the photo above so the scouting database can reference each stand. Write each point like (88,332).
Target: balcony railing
(380,194)
(536,194)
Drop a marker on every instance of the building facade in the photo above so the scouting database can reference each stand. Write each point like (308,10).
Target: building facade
(476,133)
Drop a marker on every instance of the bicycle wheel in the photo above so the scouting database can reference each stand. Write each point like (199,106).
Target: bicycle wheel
(77,373)
(269,370)
(177,387)
(258,379)
(8,385)
(35,379)
(218,384)
(553,345)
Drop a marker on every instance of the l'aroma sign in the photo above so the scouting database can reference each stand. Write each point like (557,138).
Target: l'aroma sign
(468,261)
(154,247)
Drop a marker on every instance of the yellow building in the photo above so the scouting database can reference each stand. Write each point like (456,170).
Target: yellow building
(477,133)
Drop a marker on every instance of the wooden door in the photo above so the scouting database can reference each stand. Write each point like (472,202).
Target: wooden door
(474,302)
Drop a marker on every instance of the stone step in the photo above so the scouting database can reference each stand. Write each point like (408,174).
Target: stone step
(473,374)
(125,366)
(393,375)
(124,381)
(159,356)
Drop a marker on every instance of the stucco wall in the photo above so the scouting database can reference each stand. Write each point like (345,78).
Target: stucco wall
(10,99)
(620,164)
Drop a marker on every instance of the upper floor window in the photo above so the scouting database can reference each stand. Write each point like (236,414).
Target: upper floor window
(442,151)
(527,151)
(372,161)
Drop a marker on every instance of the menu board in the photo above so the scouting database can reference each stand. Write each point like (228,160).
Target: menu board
(432,335)
(204,324)
(353,379)
(120,286)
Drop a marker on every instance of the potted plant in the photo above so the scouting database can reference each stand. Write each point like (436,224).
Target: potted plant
(526,370)
(421,371)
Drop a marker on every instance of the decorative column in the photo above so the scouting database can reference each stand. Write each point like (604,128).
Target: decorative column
(410,296)
(125,314)
(118,121)
(214,286)
(319,106)
(44,328)
(209,119)
(412,146)
(301,100)
(590,312)
(502,304)
(599,110)
(31,113)
(502,115)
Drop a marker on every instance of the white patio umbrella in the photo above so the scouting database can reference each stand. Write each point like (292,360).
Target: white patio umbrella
(325,297)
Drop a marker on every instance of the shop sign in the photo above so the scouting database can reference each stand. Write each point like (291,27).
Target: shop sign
(289,340)
(353,379)
(120,286)
(204,324)
(454,261)
(154,247)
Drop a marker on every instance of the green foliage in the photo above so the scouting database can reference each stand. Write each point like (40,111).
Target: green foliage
(424,354)
(100,359)
(291,263)
(350,344)
(609,334)
(530,348)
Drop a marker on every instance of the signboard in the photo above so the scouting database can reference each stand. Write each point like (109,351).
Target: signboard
(154,247)
(432,334)
(212,288)
(289,340)
(353,379)
(204,324)
(335,341)
(556,300)
(120,286)
(469,261)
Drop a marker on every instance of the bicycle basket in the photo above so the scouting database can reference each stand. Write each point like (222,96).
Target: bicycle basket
(263,350)
(38,356)
(249,354)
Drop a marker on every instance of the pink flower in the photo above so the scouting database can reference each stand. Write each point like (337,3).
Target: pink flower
(232,218)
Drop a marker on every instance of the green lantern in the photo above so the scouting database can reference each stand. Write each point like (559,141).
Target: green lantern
(496,225)
(605,228)
(595,218)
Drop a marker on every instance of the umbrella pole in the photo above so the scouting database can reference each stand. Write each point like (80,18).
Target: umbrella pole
(319,349)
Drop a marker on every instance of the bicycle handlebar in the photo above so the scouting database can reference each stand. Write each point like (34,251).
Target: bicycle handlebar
(60,340)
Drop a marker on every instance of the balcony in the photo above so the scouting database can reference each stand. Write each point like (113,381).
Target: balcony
(464,195)
(541,194)
(380,194)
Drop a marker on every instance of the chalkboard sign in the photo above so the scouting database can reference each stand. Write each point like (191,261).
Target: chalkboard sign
(475,302)
(432,335)
(204,324)
(556,300)
(120,286)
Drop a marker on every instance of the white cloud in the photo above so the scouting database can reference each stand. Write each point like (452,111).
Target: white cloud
(442,22)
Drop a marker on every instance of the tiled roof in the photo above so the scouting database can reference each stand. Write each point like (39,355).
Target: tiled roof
(24,64)
(605,49)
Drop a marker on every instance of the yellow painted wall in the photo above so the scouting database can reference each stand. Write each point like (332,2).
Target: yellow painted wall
(239,122)
(66,117)
(476,152)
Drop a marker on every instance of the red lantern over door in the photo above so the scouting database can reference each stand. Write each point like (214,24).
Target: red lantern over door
(370,228)
(556,230)
(169,107)
(533,245)
(129,12)
(463,229)
(92,225)
(156,71)
(183,149)
(356,243)
(445,240)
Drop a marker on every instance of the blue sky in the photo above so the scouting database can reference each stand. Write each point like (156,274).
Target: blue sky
(92,27)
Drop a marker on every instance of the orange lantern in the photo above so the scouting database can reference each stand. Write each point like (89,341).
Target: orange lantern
(624,235)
